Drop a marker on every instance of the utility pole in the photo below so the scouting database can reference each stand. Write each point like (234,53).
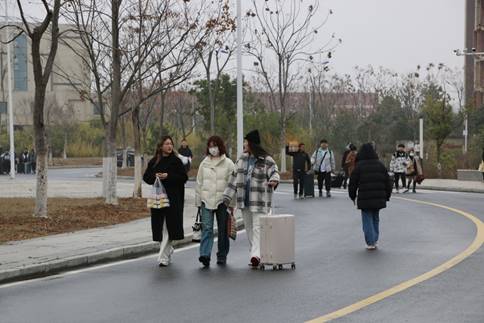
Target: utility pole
(10,96)
(240,108)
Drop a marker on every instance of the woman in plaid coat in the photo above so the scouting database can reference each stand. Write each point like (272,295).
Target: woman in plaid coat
(252,184)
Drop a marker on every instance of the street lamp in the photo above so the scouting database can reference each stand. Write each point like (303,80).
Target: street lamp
(240,108)
(475,53)
(10,96)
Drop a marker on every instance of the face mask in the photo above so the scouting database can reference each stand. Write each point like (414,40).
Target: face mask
(214,151)
(411,155)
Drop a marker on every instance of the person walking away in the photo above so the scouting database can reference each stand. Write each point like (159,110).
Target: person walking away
(371,188)
(343,165)
(398,166)
(300,164)
(414,171)
(186,152)
(323,165)
(167,223)
(251,185)
(212,179)
(350,162)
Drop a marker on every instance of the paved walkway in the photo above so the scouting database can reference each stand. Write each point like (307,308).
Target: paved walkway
(61,251)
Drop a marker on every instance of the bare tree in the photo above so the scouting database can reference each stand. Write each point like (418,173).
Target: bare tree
(42,68)
(284,32)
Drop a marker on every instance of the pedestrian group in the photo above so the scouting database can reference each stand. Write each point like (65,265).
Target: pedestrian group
(249,185)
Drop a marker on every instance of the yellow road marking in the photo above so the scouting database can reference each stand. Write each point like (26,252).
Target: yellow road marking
(473,247)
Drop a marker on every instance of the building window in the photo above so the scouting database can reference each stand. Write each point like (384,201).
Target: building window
(20,63)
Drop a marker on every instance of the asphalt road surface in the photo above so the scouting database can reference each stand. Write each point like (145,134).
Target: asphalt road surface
(333,271)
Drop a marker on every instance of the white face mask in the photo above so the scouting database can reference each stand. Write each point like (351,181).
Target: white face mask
(214,151)
(411,155)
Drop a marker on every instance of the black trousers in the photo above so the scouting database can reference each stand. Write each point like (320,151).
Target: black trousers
(399,176)
(298,180)
(412,180)
(324,178)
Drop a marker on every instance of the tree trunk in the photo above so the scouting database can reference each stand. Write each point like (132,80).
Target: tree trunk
(162,112)
(137,191)
(125,145)
(110,170)
(283,145)
(41,148)
(64,153)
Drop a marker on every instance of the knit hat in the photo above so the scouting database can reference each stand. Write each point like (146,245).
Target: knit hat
(253,137)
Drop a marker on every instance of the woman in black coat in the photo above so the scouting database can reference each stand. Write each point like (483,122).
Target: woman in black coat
(169,169)
(371,186)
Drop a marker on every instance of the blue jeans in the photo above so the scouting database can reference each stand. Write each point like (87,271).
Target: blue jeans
(206,242)
(371,221)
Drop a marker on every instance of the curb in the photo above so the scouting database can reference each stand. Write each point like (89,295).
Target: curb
(75,166)
(452,189)
(87,260)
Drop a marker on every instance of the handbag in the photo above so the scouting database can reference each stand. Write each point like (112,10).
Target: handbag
(197,227)
(232,226)
(158,198)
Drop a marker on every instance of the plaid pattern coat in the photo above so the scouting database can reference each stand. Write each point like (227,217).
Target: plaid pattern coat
(260,195)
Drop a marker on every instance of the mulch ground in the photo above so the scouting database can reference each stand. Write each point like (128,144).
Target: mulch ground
(65,215)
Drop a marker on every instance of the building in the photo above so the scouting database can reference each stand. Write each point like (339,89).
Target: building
(474,64)
(60,95)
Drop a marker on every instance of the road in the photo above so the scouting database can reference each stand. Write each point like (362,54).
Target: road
(333,271)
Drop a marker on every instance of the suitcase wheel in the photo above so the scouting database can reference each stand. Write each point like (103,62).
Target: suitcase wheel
(262,267)
(281,267)
(293,266)
(274,267)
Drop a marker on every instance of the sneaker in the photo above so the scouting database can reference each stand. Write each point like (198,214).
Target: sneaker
(406,191)
(295,196)
(414,191)
(254,262)
(205,261)
(301,197)
(398,191)
(328,194)
(370,247)
(320,193)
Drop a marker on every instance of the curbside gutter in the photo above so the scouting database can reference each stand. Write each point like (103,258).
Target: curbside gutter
(87,260)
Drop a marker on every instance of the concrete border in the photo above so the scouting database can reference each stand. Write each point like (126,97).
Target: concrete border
(80,261)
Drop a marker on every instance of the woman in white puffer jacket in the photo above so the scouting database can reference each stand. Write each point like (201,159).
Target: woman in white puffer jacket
(212,178)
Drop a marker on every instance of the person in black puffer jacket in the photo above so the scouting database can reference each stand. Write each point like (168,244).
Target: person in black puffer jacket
(370,185)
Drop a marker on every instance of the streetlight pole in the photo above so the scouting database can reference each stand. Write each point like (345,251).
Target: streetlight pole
(10,97)
(240,108)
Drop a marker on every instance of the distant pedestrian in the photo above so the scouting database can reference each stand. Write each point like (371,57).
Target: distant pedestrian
(370,186)
(344,167)
(481,166)
(252,185)
(301,163)
(167,223)
(212,179)
(350,162)
(323,165)
(414,171)
(25,160)
(185,151)
(398,166)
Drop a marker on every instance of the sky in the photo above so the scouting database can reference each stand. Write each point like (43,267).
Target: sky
(397,34)
(394,34)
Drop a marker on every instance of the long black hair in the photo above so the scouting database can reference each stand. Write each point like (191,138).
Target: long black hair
(366,152)
(257,150)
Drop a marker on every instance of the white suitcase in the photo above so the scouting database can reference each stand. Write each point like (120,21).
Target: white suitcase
(277,241)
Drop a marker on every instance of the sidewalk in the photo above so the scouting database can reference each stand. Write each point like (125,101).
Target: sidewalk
(453,185)
(55,253)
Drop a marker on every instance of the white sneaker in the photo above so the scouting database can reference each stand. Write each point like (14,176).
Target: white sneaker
(370,247)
